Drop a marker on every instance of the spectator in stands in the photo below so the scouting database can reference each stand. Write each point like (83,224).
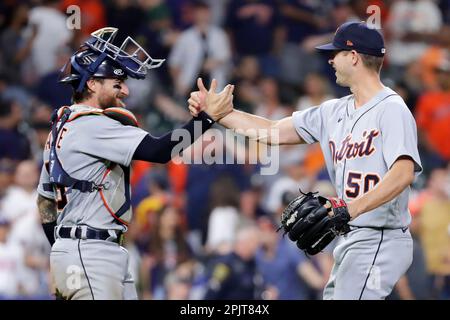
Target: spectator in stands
(202,50)
(125,15)
(20,198)
(409,28)
(224,219)
(416,284)
(181,12)
(13,143)
(254,28)
(11,261)
(200,178)
(301,19)
(16,47)
(251,202)
(157,35)
(52,34)
(159,195)
(278,256)
(433,117)
(6,177)
(433,57)
(269,105)
(178,284)
(49,89)
(20,208)
(293,177)
(444,5)
(246,77)
(316,90)
(235,275)
(166,250)
(434,231)
(177,288)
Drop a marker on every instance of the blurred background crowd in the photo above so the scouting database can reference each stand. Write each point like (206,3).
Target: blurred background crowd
(209,231)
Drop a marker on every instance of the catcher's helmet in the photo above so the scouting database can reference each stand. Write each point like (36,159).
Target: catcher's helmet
(99,57)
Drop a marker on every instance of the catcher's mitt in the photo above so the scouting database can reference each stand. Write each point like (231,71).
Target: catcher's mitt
(314,221)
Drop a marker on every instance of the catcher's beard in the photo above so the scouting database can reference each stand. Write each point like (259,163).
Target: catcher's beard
(108,101)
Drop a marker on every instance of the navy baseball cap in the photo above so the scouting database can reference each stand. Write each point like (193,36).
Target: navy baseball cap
(356,36)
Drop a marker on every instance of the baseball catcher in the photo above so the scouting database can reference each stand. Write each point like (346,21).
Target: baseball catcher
(314,221)
(84,190)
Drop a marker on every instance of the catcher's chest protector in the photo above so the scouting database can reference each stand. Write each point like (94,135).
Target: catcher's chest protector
(114,188)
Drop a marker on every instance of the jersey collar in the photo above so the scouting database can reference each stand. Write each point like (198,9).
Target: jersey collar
(352,112)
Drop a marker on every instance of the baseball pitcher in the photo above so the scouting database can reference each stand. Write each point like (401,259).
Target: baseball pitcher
(369,141)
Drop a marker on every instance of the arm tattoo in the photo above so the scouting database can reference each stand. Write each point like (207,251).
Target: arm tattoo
(47,209)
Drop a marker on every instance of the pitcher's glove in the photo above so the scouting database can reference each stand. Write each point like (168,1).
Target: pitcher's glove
(314,221)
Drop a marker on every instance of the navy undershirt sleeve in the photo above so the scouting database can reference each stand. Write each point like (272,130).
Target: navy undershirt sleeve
(159,149)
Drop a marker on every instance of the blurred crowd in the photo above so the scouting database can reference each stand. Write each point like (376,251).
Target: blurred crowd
(208,231)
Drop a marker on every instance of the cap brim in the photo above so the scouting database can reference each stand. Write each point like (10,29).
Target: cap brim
(328,47)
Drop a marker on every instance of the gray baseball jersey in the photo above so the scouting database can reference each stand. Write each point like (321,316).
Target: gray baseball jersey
(360,146)
(85,146)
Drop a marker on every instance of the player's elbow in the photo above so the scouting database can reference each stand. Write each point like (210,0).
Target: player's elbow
(282,132)
(404,171)
(409,177)
(273,134)
(404,180)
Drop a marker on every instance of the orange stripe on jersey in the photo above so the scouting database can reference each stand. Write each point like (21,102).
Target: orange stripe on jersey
(61,112)
(84,114)
(125,113)
(106,205)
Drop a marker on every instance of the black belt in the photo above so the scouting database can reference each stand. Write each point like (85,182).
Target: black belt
(379,228)
(91,233)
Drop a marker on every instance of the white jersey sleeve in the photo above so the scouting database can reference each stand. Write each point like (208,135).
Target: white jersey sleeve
(44,179)
(399,134)
(108,139)
(309,123)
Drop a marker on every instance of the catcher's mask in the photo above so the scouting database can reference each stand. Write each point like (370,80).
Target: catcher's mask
(99,57)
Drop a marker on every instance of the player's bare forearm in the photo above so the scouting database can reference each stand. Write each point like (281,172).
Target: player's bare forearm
(47,209)
(249,125)
(399,177)
(220,107)
(261,129)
